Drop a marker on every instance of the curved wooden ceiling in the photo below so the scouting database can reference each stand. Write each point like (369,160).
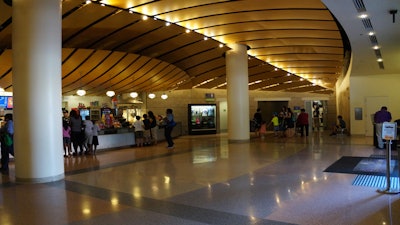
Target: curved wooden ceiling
(109,45)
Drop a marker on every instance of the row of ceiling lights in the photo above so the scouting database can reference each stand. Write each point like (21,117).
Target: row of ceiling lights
(110,94)
(167,23)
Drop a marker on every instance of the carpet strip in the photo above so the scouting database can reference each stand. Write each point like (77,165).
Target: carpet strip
(375,181)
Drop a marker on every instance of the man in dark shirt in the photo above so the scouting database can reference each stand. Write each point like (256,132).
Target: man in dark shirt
(379,118)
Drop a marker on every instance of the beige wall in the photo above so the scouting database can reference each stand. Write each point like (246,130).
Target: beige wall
(367,86)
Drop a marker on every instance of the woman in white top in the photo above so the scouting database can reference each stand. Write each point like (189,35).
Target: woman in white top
(88,135)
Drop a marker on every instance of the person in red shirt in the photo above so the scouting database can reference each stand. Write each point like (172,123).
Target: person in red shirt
(302,121)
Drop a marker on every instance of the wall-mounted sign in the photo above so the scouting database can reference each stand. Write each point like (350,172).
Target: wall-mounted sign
(210,97)
(389,131)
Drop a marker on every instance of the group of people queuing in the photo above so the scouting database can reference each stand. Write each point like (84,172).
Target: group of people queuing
(7,141)
(283,123)
(147,125)
(286,124)
(79,136)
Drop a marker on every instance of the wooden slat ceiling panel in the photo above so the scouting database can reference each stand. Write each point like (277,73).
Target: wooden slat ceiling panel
(107,47)
(213,84)
(285,86)
(307,89)
(119,68)
(80,75)
(122,72)
(103,68)
(203,54)
(198,8)
(255,26)
(260,15)
(153,36)
(171,83)
(5,70)
(104,26)
(5,37)
(211,74)
(293,41)
(207,66)
(294,57)
(72,63)
(179,43)
(297,49)
(5,12)
(74,23)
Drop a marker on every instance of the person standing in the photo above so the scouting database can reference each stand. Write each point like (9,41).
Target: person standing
(257,119)
(139,129)
(169,125)
(316,124)
(379,118)
(7,141)
(67,139)
(76,131)
(96,130)
(302,122)
(146,132)
(153,124)
(88,124)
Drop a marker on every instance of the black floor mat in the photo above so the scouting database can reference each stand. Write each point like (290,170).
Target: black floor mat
(363,165)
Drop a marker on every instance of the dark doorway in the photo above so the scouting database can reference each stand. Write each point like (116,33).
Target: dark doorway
(268,108)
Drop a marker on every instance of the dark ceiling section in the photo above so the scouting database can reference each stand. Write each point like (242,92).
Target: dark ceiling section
(112,47)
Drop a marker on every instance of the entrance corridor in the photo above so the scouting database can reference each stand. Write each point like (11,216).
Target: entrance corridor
(206,180)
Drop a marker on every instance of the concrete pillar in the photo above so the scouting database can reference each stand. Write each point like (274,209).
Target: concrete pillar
(238,93)
(36,39)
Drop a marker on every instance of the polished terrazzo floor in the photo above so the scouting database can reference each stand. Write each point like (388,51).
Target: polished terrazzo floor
(206,180)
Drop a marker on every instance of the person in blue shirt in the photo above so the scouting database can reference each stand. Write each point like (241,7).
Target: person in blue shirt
(6,147)
(169,125)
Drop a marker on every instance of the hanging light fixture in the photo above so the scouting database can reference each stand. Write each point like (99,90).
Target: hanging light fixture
(81,92)
(152,95)
(134,94)
(164,96)
(110,93)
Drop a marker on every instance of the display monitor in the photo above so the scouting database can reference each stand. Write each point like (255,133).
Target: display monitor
(6,102)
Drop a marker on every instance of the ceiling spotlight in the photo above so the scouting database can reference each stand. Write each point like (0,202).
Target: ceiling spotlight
(363,16)
(164,96)
(81,92)
(152,95)
(134,94)
(110,93)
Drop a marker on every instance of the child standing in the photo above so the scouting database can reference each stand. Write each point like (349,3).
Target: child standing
(96,130)
(67,139)
(139,129)
(263,129)
(275,123)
